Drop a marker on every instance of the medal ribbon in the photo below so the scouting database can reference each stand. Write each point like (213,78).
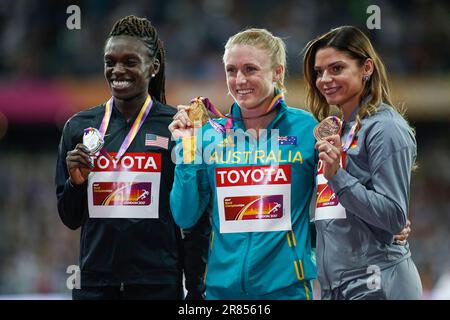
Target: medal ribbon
(145,109)
(351,134)
(229,124)
(349,138)
(337,121)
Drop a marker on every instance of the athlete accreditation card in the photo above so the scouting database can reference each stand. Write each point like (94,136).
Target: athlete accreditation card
(254,198)
(125,188)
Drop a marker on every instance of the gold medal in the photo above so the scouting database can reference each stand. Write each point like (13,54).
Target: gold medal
(197,112)
(93,140)
(327,127)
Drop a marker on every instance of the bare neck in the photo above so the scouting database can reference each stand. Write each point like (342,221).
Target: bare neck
(129,108)
(347,110)
(260,122)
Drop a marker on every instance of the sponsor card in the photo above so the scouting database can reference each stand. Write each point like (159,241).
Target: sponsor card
(121,193)
(253,207)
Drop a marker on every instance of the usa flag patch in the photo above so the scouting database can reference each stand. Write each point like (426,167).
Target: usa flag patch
(153,140)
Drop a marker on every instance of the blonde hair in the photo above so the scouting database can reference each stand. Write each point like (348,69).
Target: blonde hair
(356,44)
(264,40)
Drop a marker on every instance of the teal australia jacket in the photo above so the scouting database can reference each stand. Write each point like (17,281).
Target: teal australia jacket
(259,193)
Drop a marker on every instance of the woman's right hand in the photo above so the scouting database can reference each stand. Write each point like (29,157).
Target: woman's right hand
(78,164)
(181,126)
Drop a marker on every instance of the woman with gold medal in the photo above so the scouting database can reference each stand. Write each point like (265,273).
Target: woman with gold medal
(239,167)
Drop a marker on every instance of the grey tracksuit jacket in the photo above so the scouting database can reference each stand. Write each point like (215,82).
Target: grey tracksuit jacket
(374,190)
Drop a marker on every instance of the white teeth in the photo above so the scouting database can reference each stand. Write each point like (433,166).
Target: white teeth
(121,84)
(247,91)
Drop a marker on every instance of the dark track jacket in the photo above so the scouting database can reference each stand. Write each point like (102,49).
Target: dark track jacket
(121,251)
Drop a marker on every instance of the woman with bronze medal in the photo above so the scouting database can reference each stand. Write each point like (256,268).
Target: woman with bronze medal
(114,175)
(364,173)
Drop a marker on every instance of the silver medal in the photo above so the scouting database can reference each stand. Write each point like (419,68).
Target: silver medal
(93,140)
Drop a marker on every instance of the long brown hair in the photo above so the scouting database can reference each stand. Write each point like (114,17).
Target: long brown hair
(356,44)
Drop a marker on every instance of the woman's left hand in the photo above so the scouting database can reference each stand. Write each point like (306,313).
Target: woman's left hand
(330,153)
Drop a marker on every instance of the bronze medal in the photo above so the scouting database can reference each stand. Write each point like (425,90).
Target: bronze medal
(327,127)
(197,112)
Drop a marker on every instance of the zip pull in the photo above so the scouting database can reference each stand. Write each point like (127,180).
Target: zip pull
(122,287)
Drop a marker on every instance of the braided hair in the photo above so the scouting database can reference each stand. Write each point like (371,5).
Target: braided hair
(143,29)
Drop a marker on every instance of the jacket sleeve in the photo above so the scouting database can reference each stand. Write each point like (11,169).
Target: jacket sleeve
(71,199)
(195,247)
(391,154)
(312,222)
(190,193)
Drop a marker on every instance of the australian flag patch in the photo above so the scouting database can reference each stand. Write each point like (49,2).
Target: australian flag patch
(287,140)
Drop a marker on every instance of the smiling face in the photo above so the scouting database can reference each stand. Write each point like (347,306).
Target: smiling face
(128,67)
(339,78)
(250,78)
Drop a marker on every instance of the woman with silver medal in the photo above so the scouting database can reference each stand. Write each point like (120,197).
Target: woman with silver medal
(114,175)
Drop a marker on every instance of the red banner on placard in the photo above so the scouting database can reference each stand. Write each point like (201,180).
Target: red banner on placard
(253,175)
(135,162)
